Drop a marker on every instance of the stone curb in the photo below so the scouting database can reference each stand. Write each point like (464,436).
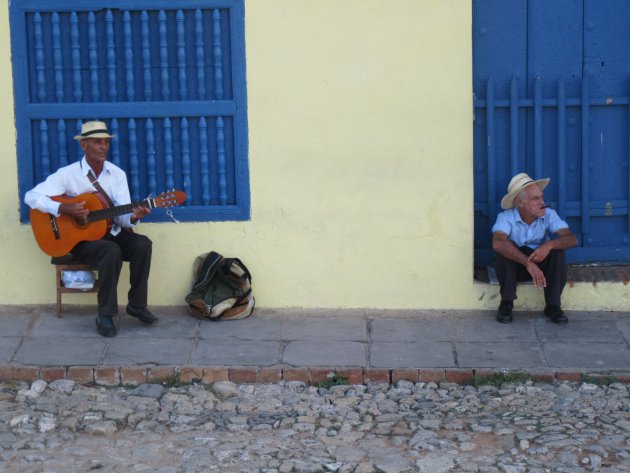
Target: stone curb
(136,375)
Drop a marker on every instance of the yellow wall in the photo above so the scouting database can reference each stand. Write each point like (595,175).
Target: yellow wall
(360,133)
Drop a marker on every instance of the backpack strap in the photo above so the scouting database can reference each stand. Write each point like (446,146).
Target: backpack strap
(206,270)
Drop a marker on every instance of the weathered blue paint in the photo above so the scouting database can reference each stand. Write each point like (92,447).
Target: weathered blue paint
(168,77)
(551,99)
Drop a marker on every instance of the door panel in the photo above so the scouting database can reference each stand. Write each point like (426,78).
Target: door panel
(551,82)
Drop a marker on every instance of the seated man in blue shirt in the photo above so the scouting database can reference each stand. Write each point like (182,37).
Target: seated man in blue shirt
(529,240)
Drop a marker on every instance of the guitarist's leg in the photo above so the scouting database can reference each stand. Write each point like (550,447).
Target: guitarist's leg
(136,249)
(107,257)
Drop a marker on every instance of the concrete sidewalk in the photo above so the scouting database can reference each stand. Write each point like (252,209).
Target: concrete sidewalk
(311,346)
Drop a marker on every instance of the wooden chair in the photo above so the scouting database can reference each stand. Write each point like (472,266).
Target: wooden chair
(66,263)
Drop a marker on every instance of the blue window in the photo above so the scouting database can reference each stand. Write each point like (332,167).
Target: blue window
(168,78)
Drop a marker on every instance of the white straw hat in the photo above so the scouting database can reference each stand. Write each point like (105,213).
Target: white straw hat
(93,130)
(517,184)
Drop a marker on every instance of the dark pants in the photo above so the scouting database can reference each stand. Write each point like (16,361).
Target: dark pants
(553,267)
(107,255)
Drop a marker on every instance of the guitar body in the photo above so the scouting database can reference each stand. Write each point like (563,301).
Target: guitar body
(56,236)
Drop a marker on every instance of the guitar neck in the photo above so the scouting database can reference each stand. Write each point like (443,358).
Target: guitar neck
(112,212)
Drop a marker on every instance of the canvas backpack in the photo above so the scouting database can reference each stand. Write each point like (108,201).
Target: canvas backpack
(221,289)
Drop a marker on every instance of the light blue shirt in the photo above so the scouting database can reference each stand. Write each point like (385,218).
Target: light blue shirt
(72,180)
(533,235)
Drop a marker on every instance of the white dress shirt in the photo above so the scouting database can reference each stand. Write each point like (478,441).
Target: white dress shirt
(73,180)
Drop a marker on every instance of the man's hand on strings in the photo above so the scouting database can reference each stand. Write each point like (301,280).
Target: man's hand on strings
(139,213)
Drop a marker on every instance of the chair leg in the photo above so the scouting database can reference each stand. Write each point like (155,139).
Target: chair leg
(58,284)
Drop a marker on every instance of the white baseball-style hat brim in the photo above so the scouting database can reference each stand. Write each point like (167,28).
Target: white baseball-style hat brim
(517,185)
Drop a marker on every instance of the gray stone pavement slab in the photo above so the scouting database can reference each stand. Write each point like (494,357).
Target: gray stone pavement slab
(483,327)
(587,355)
(251,328)
(325,328)
(580,331)
(8,347)
(171,326)
(15,324)
(322,353)
(243,353)
(70,325)
(59,351)
(410,329)
(499,355)
(148,351)
(419,354)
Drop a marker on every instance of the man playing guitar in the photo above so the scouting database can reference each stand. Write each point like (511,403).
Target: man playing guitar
(94,173)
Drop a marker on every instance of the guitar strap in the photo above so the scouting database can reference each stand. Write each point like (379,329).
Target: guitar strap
(98,187)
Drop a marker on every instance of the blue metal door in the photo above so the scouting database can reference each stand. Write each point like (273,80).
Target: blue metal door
(551,84)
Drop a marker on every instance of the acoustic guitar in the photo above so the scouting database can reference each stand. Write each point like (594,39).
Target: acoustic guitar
(56,236)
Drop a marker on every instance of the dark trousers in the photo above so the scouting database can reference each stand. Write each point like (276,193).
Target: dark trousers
(107,255)
(553,267)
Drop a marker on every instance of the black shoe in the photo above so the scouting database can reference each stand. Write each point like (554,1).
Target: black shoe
(555,313)
(142,313)
(105,326)
(504,314)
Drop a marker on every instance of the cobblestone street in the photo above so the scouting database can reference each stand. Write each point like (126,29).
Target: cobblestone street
(291,427)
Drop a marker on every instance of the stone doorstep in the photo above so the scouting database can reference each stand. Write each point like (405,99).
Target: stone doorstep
(136,375)
(577,273)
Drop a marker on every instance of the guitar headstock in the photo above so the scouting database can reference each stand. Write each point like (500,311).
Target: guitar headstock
(170,198)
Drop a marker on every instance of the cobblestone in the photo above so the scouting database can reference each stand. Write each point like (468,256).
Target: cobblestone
(290,427)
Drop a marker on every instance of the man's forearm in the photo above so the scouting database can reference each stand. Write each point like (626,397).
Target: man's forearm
(509,250)
(563,242)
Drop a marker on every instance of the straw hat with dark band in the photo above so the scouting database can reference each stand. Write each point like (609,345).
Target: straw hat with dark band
(518,184)
(93,130)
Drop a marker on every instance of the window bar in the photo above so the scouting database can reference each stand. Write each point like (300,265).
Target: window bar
(218,55)
(76,57)
(203,161)
(151,165)
(78,132)
(585,159)
(44,152)
(111,56)
(62,142)
(168,154)
(131,92)
(562,148)
(146,55)
(221,161)
(39,58)
(514,124)
(200,48)
(115,143)
(93,55)
(490,145)
(57,57)
(538,128)
(186,158)
(181,54)
(133,160)
(166,91)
